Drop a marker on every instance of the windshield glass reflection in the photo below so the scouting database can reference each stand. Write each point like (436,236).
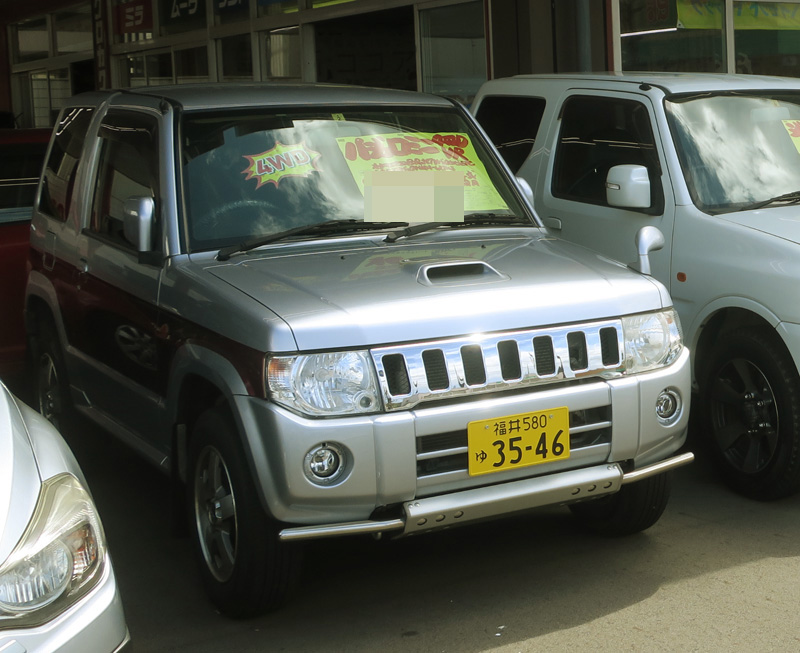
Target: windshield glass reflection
(737,149)
(248,174)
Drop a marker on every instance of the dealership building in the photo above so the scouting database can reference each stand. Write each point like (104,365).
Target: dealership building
(52,49)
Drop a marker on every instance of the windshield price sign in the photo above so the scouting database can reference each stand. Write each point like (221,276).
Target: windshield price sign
(515,441)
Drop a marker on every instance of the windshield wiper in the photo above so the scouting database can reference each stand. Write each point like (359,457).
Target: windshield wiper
(789,198)
(318,228)
(470,220)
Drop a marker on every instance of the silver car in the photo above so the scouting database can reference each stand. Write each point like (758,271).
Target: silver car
(57,585)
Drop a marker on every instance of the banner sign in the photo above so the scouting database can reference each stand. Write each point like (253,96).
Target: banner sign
(709,14)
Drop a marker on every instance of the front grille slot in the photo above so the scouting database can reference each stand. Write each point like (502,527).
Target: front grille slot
(413,373)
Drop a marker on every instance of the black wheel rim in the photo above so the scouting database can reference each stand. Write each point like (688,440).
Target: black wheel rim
(49,389)
(215,514)
(744,416)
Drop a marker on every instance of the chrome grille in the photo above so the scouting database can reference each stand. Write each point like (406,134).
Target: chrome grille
(414,373)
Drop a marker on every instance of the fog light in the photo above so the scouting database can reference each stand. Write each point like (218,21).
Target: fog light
(325,463)
(668,405)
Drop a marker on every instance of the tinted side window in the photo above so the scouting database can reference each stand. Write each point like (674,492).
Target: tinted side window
(62,164)
(20,166)
(596,134)
(511,123)
(128,167)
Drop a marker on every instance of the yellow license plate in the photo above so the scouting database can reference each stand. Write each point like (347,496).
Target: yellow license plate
(515,441)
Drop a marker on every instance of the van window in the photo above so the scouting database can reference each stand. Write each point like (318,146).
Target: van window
(62,164)
(599,133)
(511,122)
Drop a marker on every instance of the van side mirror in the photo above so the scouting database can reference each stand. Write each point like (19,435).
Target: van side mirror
(138,218)
(628,187)
(648,239)
(525,187)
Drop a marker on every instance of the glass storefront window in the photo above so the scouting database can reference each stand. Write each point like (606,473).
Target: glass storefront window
(132,73)
(327,3)
(672,35)
(236,58)
(73,30)
(48,91)
(230,11)
(276,7)
(30,40)
(191,65)
(283,54)
(178,16)
(767,37)
(453,50)
(159,69)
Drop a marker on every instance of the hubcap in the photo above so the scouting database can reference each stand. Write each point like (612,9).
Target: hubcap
(215,514)
(744,416)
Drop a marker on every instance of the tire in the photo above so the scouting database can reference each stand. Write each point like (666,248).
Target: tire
(244,567)
(633,509)
(52,395)
(751,403)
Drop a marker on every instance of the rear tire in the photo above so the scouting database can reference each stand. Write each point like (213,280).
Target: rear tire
(633,509)
(245,568)
(52,395)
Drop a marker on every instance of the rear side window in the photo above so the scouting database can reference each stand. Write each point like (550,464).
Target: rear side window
(596,134)
(511,123)
(62,164)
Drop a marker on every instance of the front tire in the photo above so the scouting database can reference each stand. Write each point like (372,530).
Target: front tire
(751,398)
(633,509)
(244,567)
(50,376)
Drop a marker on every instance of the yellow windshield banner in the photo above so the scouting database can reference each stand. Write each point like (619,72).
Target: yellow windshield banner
(708,14)
(793,127)
(436,152)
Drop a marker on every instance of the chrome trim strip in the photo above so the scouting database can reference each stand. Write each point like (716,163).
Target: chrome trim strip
(336,530)
(658,468)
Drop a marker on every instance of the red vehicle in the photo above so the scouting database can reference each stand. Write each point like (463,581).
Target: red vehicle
(22,152)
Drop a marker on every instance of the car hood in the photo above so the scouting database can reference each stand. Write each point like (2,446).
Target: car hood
(780,221)
(19,475)
(441,286)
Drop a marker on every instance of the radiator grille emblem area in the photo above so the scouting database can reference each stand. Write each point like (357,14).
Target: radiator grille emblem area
(414,373)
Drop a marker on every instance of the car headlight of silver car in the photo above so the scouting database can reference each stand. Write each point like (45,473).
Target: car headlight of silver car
(652,340)
(59,558)
(326,384)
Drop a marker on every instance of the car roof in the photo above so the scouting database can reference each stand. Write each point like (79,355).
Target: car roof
(675,82)
(221,95)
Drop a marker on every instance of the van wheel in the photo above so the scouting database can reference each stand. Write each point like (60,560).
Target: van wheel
(751,399)
(634,508)
(244,567)
(50,380)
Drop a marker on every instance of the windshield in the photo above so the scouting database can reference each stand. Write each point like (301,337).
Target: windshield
(248,174)
(737,149)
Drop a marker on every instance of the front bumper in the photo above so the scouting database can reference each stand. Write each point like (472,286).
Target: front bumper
(494,501)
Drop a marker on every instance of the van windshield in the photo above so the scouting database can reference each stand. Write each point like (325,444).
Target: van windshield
(254,173)
(737,149)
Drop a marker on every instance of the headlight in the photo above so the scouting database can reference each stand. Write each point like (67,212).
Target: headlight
(324,384)
(652,340)
(57,561)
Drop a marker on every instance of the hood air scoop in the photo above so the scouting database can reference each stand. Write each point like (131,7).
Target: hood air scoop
(454,273)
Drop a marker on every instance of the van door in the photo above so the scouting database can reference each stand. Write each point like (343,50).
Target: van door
(594,133)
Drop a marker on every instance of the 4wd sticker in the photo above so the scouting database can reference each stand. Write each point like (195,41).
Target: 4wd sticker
(423,152)
(281,161)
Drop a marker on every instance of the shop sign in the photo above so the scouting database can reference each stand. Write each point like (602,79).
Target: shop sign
(183,15)
(231,6)
(133,17)
(709,14)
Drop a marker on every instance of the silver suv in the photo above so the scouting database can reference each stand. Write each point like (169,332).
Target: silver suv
(328,311)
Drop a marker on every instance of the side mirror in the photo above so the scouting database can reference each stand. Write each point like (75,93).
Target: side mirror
(526,189)
(628,187)
(648,239)
(138,218)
